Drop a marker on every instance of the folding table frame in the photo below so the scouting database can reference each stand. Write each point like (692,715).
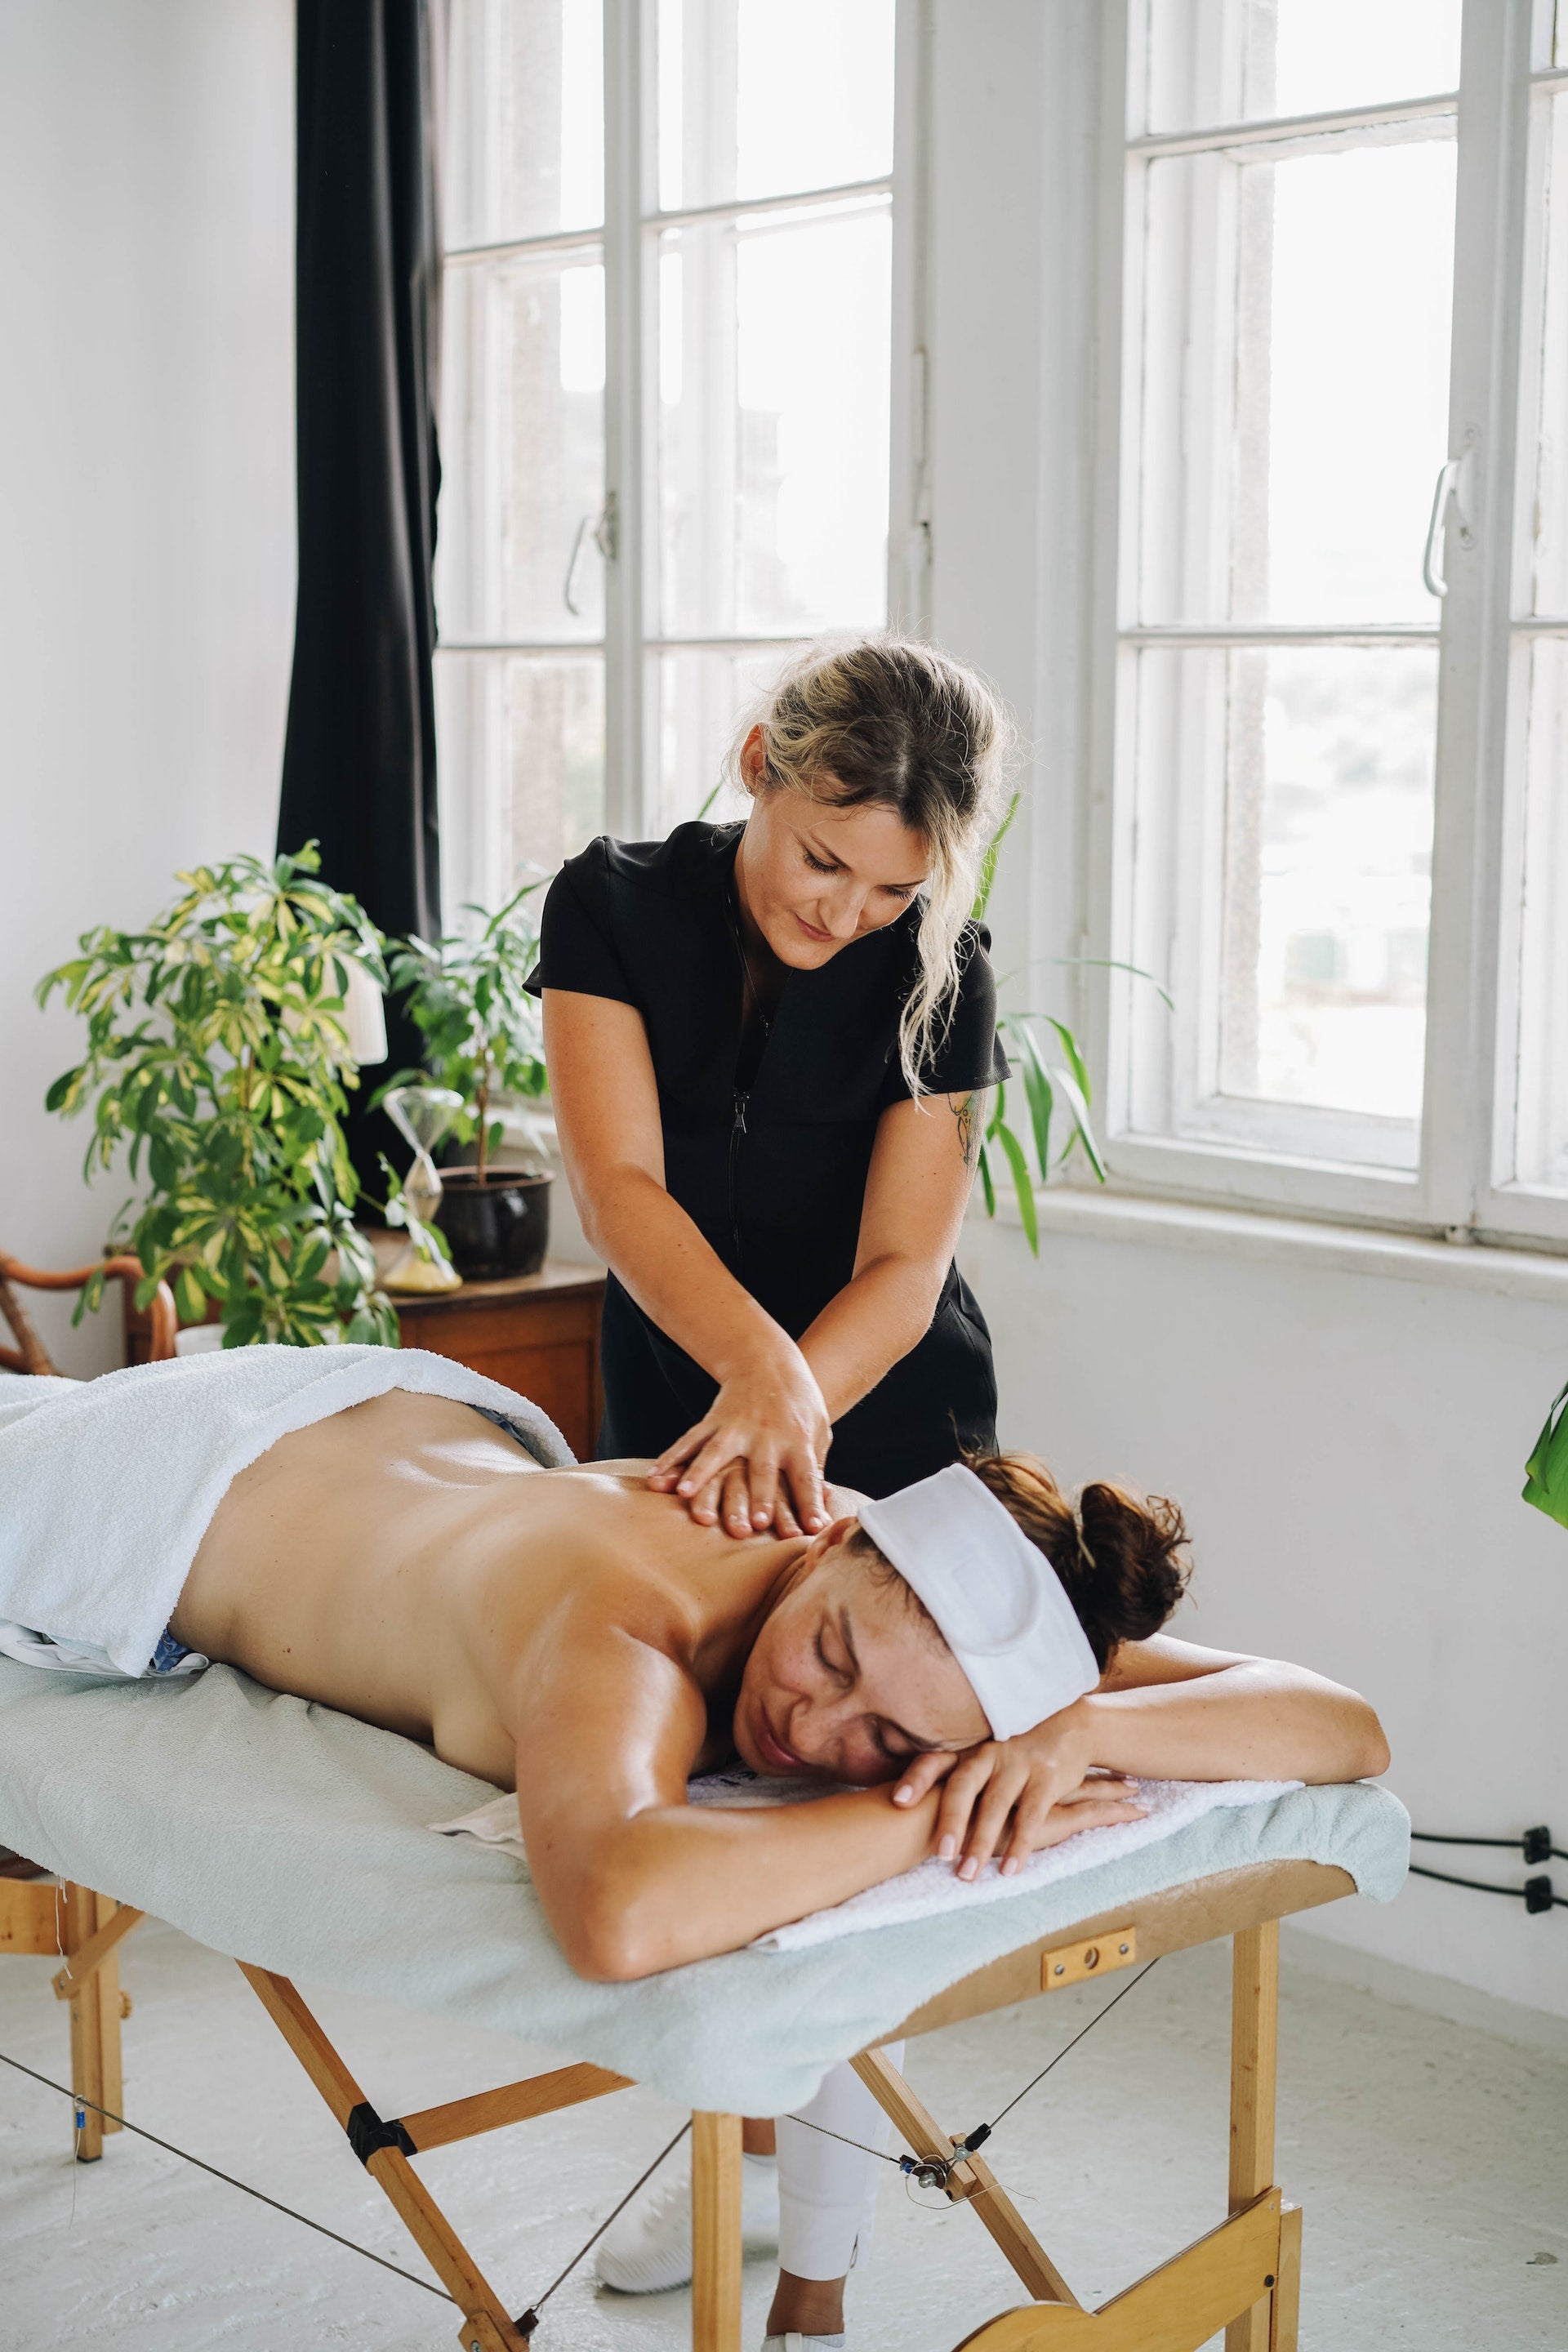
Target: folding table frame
(1244,2275)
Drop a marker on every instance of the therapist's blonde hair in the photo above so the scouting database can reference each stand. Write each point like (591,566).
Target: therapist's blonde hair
(888,723)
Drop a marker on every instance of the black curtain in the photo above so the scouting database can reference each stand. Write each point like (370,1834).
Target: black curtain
(359,761)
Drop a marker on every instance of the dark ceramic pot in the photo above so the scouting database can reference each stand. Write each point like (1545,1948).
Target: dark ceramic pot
(499,1228)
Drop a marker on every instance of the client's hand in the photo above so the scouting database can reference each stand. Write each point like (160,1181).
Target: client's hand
(1018,1794)
(755,1458)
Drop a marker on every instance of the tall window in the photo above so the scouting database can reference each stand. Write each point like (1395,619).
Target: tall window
(666,401)
(1340,838)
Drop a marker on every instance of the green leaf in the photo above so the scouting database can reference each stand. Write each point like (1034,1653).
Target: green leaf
(986,1185)
(1023,1185)
(988,863)
(190,1298)
(1075,1059)
(1546,1472)
(1083,1132)
(1037,1090)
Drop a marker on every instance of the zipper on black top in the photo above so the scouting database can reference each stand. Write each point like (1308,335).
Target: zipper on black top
(737,1130)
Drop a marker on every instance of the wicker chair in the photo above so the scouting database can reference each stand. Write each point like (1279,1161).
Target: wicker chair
(29,1354)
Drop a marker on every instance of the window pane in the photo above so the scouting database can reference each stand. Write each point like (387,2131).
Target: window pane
(1547,513)
(1285,844)
(1542,1151)
(521,756)
(1295,401)
(698,698)
(522,423)
(772,472)
(1208,63)
(1328,855)
(525,118)
(760,99)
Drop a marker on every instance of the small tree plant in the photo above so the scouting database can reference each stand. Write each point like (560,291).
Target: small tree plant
(483,1032)
(218,1055)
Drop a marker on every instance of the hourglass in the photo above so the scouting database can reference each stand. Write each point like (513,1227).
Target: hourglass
(422,1116)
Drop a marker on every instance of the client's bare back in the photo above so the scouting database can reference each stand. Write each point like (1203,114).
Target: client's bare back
(393,1560)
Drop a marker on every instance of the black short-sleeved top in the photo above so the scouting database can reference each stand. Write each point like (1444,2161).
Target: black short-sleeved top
(772,1171)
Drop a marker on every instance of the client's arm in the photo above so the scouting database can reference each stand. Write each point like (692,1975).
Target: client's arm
(1165,1710)
(633,1879)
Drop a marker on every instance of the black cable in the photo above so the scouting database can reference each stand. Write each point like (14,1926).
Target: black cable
(530,2319)
(260,2195)
(1534,1844)
(983,2131)
(1435,1837)
(1483,1886)
(1078,2037)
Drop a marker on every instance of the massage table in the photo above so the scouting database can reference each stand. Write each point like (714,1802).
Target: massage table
(297,1841)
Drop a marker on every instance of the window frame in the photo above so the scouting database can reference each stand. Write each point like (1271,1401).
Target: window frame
(1461,1186)
(627,240)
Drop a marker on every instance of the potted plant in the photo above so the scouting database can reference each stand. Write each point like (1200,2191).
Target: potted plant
(1046,1084)
(483,1039)
(219,1053)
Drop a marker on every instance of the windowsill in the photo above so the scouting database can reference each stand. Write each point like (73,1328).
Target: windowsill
(1075,1212)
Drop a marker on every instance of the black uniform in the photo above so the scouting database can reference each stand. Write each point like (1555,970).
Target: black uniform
(768,1151)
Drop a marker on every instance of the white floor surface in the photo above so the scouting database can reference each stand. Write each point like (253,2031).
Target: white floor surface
(1431,2158)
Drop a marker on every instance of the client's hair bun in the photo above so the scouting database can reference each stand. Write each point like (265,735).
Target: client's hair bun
(1122,1575)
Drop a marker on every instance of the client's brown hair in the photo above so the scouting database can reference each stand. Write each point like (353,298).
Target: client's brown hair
(1116,1556)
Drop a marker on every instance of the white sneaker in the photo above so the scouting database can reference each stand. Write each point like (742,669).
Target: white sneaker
(793,2343)
(649,2247)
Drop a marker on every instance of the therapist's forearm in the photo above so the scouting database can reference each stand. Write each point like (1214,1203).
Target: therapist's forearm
(678,1278)
(869,1325)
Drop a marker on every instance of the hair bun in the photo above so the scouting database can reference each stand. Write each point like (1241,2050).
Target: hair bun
(1127,1578)
(1117,1557)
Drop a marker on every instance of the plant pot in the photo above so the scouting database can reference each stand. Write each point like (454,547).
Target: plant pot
(496,1229)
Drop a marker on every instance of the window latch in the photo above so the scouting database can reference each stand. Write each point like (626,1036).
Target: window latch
(1455,481)
(601,528)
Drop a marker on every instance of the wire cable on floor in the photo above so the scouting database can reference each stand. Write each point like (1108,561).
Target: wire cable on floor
(202,2166)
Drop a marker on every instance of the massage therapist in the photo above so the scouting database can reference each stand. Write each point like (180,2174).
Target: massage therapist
(768,1046)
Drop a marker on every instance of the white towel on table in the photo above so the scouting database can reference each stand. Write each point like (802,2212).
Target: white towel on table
(107,1486)
(931,1886)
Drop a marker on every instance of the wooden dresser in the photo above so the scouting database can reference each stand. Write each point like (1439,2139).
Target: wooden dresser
(537,1333)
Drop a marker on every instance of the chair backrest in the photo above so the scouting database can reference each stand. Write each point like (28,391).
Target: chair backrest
(29,1354)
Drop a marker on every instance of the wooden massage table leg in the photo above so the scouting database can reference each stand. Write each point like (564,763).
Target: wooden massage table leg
(1254,2046)
(487,2325)
(83,1927)
(91,1926)
(972,2183)
(715,2233)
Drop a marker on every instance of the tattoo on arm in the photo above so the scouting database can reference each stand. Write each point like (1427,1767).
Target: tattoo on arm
(965,1111)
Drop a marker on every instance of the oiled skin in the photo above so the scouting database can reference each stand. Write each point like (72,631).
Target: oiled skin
(400,1560)
(576,1635)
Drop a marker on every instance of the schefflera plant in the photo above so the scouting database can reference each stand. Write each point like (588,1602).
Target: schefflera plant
(218,1059)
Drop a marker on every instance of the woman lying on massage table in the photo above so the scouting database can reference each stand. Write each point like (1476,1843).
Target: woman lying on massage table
(577,1635)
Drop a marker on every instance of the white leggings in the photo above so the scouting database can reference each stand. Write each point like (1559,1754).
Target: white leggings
(827,2192)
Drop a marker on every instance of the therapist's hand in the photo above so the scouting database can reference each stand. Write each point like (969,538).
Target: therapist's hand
(754,1460)
(1012,1797)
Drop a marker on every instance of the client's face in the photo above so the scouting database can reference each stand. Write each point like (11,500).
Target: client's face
(846,1679)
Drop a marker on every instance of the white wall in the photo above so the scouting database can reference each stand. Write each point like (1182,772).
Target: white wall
(146,511)
(1348,1447)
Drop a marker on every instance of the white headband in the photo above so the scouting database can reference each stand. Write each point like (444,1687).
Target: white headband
(996,1599)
